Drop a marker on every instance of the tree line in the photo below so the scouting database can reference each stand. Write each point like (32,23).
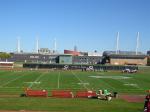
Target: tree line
(4,55)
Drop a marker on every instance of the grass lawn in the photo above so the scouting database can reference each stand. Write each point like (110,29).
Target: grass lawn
(13,83)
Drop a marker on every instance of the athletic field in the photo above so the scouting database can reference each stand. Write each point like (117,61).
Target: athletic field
(13,83)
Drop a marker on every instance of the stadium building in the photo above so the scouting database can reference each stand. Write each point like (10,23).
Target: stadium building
(124,58)
(84,57)
(53,59)
(148,59)
(48,58)
(109,57)
(87,59)
(148,53)
(74,53)
(33,58)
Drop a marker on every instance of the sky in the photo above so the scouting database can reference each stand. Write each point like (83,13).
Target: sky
(88,24)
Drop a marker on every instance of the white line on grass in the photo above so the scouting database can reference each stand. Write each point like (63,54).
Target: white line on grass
(80,80)
(37,79)
(58,81)
(127,82)
(108,86)
(12,80)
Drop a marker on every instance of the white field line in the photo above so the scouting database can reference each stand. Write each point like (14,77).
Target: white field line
(124,81)
(37,79)
(108,85)
(71,88)
(44,88)
(9,74)
(105,83)
(58,81)
(11,81)
(137,83)
(80,81)
(127,82)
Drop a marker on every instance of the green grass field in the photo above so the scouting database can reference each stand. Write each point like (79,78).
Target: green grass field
(13,83)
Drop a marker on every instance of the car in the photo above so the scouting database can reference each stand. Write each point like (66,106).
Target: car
(127,70)
(133,71)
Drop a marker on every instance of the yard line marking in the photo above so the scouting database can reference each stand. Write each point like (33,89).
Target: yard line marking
(11,81)
(8,74)
(128,82)
(137,82)
(58,81)
(108,85)
(104,83)
(37,79)
(80,80)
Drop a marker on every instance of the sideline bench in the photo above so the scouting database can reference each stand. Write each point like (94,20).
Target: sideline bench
(36,93)
(85,94)
(62,94)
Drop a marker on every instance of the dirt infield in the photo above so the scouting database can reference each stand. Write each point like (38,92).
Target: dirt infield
(133,98)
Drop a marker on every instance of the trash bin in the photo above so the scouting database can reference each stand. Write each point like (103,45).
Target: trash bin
(115,94)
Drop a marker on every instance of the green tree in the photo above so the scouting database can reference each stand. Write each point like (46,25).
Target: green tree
(5,55)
